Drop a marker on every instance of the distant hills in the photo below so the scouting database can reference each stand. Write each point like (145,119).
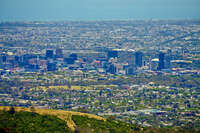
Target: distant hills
(33,120)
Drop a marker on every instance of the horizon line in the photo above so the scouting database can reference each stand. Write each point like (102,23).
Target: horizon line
(98,20)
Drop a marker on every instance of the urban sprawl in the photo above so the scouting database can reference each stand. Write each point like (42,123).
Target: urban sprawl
(145,72)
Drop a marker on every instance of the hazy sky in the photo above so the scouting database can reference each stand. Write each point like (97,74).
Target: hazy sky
(47,10)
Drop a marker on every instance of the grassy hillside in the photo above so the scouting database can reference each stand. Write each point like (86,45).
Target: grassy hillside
(31,120)
(98,126)
(63,115)
(22,120)
(27,122)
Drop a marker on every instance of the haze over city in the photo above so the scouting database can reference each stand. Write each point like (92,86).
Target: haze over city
(62,10)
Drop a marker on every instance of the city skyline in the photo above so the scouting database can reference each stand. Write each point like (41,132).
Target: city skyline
(51,10)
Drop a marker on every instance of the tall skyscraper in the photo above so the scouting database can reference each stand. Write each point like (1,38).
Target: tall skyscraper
(49,53)
(161,63)
(74,56)
(4,58)
(130,70)
(59,53)
(111,69)
(16,58)
(168,59)
(154,64)
(51,66)
(69,60)
(138,59)
(112,54)
(168,62)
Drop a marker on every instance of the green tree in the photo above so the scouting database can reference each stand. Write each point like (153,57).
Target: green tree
(12,110)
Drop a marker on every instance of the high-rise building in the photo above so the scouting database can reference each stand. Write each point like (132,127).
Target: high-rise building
(168,59)
(168,62)
(138,59)
(161,63)
(130,70)
(109,67)
(4,58)
(74,56)
(49,53)
(51,66)
(69,60)
(16,58)
(154,64)
(112,69)
(112,54)
(59,53)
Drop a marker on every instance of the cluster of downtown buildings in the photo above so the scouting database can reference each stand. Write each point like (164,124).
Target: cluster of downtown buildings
(113,61)
(116,47)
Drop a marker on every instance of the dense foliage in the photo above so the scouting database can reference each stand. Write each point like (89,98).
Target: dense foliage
(110,126)
(90,125)
(30,122)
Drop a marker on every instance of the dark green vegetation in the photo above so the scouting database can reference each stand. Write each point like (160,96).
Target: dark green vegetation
(85,124)
(30,122)
(99,126)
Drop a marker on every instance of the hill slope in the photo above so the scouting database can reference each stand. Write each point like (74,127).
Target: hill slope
(27,122)
(31,120)
(63,115)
